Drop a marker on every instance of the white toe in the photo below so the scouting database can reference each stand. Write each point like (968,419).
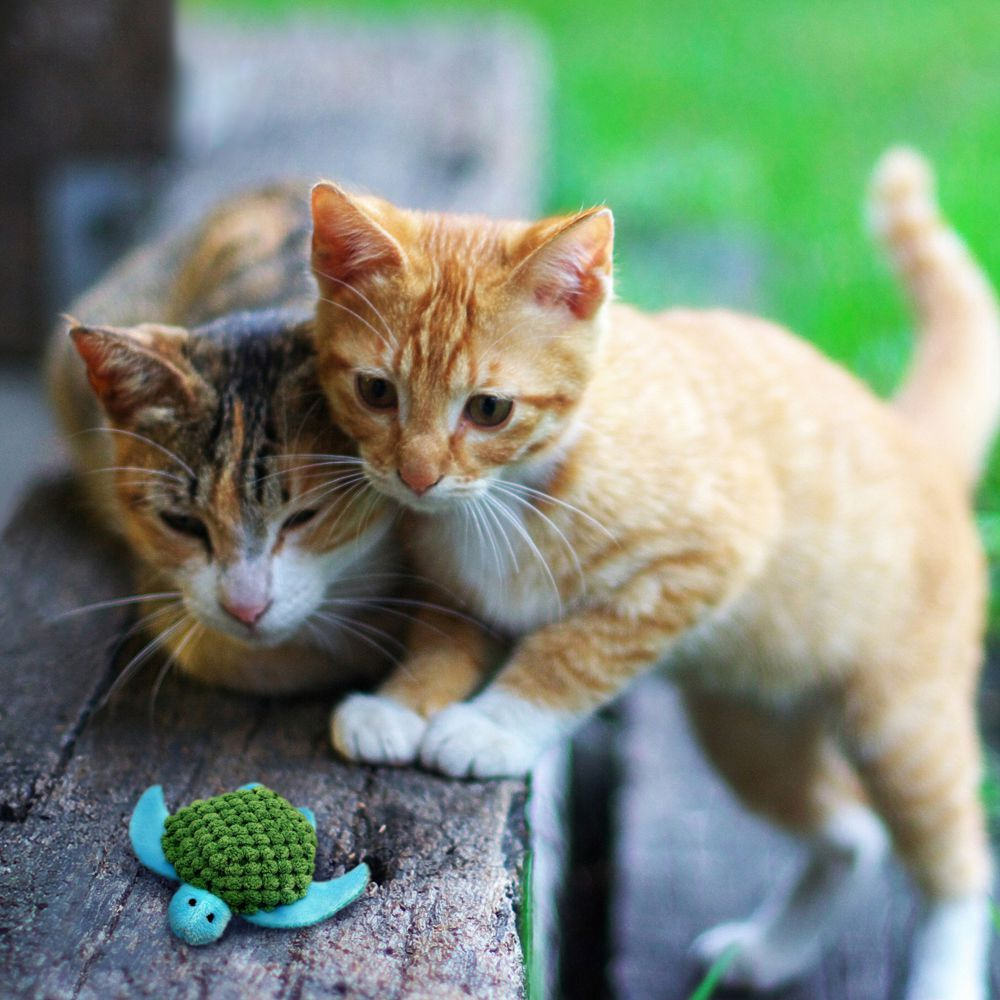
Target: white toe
(463,742)
(376,730)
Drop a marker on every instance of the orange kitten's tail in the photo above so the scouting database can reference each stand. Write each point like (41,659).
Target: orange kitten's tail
(952,390)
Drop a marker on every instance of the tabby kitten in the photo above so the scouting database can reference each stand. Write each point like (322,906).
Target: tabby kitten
(700,490)
(210,449)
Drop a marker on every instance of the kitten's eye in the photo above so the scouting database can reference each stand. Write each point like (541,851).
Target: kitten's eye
(185,524)
(377,392)
(488,411)
(297,519)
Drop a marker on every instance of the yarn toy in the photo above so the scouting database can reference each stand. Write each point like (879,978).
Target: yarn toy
(249,852)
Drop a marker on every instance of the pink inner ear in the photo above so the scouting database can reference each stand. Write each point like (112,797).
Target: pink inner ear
(346,243)
(126,377)
(574,269)
(580,290)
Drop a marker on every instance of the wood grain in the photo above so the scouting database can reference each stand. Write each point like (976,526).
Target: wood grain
(81,917)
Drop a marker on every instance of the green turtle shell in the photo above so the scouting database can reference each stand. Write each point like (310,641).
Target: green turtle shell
(251,848)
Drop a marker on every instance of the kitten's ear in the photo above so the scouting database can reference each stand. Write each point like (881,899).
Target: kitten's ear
(348,243)
(570,265)
(135,369)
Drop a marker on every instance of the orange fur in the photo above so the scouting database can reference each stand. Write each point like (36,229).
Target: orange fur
(700,490)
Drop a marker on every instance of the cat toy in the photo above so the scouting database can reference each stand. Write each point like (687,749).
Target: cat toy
(249,852)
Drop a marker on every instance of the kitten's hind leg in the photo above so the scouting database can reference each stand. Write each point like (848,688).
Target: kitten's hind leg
(789,770)
(918,754)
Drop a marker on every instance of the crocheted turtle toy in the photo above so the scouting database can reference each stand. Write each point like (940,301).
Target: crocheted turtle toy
(248,852)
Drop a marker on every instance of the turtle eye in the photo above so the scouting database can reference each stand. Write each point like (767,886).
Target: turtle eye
(191,902)
(210,917)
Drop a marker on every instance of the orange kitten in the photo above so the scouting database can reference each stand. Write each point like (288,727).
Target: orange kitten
(209,448)
(697,490)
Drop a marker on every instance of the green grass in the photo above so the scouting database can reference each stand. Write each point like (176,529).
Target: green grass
(710,983)
(756,124)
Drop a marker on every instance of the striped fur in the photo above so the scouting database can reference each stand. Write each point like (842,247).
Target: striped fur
(699,490)
(207,445)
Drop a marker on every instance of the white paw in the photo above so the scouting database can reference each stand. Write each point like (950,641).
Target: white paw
(376,730)
(464,742)
(951,950)
(757,964)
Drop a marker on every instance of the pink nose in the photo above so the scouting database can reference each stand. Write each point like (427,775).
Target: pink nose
(419,479)
(249,614)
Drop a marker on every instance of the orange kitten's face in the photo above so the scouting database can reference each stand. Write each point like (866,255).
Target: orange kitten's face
(233,484)
(454,350)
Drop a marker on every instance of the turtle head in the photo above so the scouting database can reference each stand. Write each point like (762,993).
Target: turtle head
(197,916)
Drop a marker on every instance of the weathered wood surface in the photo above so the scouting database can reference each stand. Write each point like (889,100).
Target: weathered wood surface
(81,917)
(687,857)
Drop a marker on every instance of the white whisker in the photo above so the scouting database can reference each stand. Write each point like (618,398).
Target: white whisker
(146,620)
(350,498)
(339,305)
(172,658)
(155,473)
(388,603)
(367,302)
(555,527)
(485,533)
(328,462)
(117,602)
(488,509)
(515,522)
(548,498)
(145,440)
(348,625)
(329,487)
(133,665)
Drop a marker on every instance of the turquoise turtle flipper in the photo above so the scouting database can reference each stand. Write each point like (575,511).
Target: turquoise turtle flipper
(145,830)
(322,900)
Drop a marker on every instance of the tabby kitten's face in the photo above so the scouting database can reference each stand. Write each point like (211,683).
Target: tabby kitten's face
(234,485)
(455,351)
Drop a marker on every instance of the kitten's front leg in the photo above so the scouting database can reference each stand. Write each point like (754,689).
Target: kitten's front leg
(448,658)
(555,678)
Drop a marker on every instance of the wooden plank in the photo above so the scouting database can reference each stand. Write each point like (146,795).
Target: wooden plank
(688,857)
(81,917)
(51,669)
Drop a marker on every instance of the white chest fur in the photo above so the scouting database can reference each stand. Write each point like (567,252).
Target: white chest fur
(494,562)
